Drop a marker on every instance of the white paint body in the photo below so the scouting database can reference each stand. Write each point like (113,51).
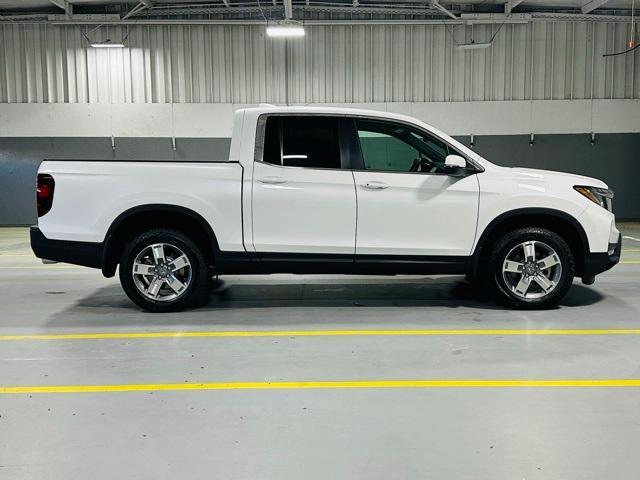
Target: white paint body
(417,214)
(259,207)
(312,211)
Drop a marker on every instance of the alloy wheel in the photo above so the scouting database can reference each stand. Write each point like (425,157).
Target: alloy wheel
(162,272)
(531,270)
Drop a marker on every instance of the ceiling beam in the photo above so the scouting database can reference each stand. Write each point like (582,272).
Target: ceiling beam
(226,3)
(64,5)
(167,10)
(142,5)
(510,5)
(592,5)
(101,20)
(435,4)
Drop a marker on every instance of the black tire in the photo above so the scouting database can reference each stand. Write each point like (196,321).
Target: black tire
(508,295)
(196,290)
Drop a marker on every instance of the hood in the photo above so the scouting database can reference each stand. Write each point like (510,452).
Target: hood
(535,174)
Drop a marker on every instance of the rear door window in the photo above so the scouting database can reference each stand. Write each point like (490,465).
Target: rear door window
(302,141)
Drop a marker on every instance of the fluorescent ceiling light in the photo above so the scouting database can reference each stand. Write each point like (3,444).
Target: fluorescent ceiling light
(107,44)
(285,30)
(473,46)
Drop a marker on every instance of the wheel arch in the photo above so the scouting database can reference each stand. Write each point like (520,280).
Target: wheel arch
(144,217)
(565,225)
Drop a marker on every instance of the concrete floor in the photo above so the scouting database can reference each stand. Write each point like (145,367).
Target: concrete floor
(340,433)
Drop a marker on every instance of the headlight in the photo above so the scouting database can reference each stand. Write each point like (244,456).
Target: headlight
(601,196)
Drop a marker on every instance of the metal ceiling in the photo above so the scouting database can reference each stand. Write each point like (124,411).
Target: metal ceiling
(188,11)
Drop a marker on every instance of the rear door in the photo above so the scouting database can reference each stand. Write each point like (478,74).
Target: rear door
(304,201)
(407,204)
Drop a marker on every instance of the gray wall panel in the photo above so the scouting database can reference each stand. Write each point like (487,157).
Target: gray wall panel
(20,158)
(613,158)
(143,149)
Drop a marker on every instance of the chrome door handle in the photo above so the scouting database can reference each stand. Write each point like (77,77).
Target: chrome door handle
(375,185)
(272,180)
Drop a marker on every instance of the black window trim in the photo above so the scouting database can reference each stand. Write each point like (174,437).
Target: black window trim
(349,140)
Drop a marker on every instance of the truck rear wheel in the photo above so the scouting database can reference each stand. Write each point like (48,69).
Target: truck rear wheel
(163,271)
(530,268)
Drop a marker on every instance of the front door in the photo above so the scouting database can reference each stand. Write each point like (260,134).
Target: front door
(304,200)
(407,204)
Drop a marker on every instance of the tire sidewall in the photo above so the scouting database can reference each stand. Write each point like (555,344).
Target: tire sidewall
(507,243)
(190,249)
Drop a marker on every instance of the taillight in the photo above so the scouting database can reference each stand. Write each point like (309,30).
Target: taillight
(44,193)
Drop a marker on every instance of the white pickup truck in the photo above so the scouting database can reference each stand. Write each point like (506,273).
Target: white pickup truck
(326,190)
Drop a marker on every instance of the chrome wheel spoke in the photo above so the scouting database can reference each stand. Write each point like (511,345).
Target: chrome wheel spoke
(545,284)
(158,253)
(175,284)
(529,251)
(143,269)
(512,267)
(154,287)
(523,285)
(548,262)
(180,262)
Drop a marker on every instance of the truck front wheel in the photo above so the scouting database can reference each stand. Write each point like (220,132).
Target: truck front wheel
(163,271)
(530,268)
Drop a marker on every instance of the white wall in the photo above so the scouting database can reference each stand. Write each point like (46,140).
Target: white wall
(198,120)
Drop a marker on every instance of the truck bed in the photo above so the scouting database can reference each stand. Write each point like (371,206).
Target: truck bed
(90,195)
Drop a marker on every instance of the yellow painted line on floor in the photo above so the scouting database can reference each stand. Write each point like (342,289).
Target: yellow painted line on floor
(154,387)
(630,262)
(315,333)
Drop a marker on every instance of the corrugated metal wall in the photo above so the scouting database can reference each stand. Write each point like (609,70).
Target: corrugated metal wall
(380,63)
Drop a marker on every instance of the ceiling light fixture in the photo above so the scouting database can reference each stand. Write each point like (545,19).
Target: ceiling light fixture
(473,46)
(285,29)
(107,44)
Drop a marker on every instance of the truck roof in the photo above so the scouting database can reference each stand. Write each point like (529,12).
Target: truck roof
(327,110)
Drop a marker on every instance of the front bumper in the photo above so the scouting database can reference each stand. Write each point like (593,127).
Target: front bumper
(596,263)
(87,254)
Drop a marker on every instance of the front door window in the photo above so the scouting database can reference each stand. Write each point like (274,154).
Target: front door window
(393,147)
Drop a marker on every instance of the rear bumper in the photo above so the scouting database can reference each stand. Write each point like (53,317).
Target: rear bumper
(87,254)
(596,263)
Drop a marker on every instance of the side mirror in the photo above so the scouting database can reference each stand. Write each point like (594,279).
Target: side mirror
(455,161)
(455,166)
